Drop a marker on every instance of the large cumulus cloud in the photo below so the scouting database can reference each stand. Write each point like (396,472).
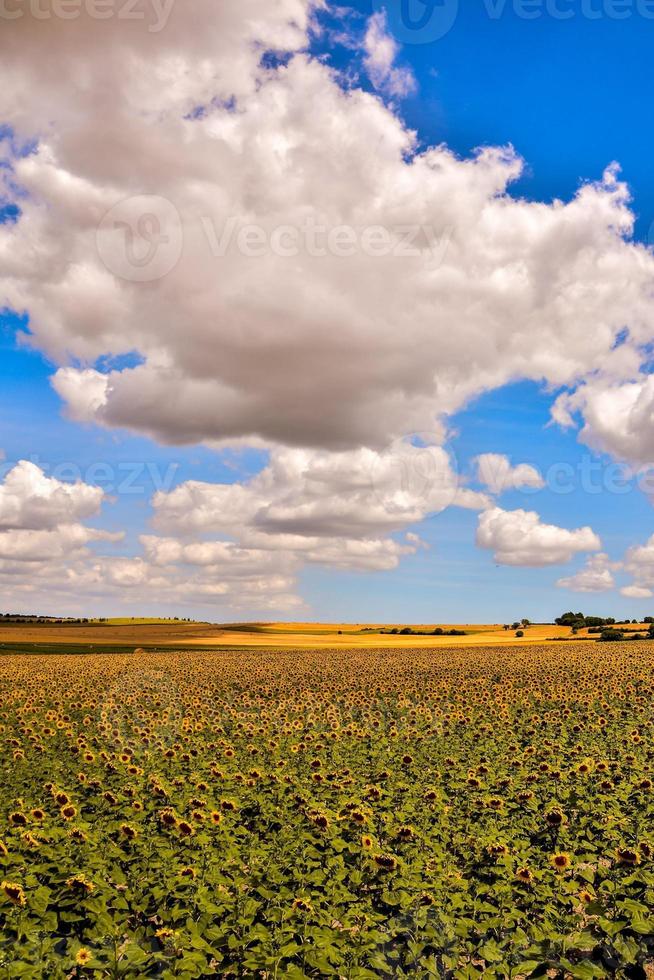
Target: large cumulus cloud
(333,288)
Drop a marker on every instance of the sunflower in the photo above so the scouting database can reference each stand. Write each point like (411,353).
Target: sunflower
(560,861)
(68,811)
(366,842)
(83,956)
(554,817)
(77,835)
(80,883)
(14,893)
(626,856)
(385,862)
(166,937)
(524,875)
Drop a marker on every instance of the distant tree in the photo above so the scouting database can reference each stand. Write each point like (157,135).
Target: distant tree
(568,618)
(519,633)
(611,636)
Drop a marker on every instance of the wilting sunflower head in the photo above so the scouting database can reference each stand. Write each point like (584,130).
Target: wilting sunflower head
(385,862)
(13,892)
(627,856)
(554,817)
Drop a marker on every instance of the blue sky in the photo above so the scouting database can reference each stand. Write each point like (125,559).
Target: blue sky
(570,96)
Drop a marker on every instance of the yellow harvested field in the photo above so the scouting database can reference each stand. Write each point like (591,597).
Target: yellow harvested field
(180,635)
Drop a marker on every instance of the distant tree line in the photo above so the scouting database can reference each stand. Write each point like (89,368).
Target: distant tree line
(409,631)
(604,626)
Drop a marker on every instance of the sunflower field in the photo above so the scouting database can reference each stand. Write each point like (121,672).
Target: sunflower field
(350,814)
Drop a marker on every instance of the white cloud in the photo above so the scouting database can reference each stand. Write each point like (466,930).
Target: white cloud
(39,517)
(124,581)
(65,541)
(636,592)
(518,537)
(306,507)
(327,507)
(594,577)
(31,500)
(495,472)
(391,287)
(380,53)
(639,562)
(618,418)
(44,556)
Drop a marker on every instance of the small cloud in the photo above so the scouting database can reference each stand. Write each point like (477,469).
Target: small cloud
(494,471)
(518,537)
(636,592)
(380,53)
(594,577)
